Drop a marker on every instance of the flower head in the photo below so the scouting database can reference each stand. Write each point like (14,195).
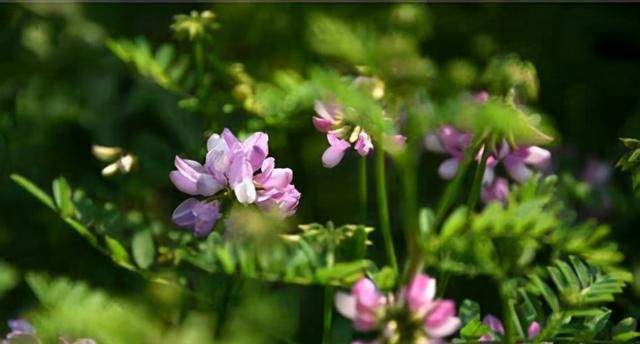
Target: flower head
(497,329)
(413,315)
(22,332)
(232,167)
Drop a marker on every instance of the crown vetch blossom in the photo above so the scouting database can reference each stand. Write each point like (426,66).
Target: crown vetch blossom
(425,317)
(497,329)
(340,136)
(21,331)
(231,166)
(517,161)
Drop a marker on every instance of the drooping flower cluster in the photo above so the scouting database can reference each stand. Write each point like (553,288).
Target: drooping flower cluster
(231,166)
(22,332)
(517,161)
(330,120)
(414,315)
(497,329)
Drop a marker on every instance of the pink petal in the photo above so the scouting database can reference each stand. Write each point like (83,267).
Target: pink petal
(444,329)
(493,323)
(419,293)
(183,183)
(538,157)
(321,124)
(256,149)
(279,178)
(363,145)
(332,156)
(218,154)
(498,190)
(516,168)
(323,111)
(533,330)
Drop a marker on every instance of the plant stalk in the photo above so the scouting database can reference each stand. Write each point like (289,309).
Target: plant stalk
(383,209)
(453,188)
(477,180)
(328,315)
(363,189)
(507,315)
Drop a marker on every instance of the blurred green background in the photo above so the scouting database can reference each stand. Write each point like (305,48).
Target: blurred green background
(62,90)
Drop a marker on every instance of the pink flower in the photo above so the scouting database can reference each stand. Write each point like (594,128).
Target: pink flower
(364,305)
(497,190)
(329,115)
(275,188)
(518,161)
(194,179)
(198,216)
(371,310)
(448,140)
(497,329)
(438,315)
(340,136)
(232,165)
(363,145)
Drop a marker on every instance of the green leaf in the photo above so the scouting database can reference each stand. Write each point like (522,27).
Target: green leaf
(625,330)
(455,223)
(498,120)
(34,190)
(84,231)
(630,143)
(118,253)
(62,196)
(9,277)
(385,279)
(474,330)
(469,311)
(143,248)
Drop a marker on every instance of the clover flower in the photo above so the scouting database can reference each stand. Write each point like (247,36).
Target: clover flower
(21,332)
(231,166)
(497,329)
(518,161)
(339,135)
(414,315)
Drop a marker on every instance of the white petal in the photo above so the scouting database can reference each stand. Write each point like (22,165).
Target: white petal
(245,192)
(447,328)
(432,142)
(346,305)
(448,168)
(538,157)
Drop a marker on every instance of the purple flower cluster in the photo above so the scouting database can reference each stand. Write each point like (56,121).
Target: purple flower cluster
(517,161)
(231,166)
(330,120)
(370,310)
(497,329)
(23,332)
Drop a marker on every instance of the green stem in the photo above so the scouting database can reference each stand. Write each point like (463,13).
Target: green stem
(452,190)
(328,314)
(477,180)
(412,233)
(507,314)
(221,317)
(383,209)
(328,302)
(363,189)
